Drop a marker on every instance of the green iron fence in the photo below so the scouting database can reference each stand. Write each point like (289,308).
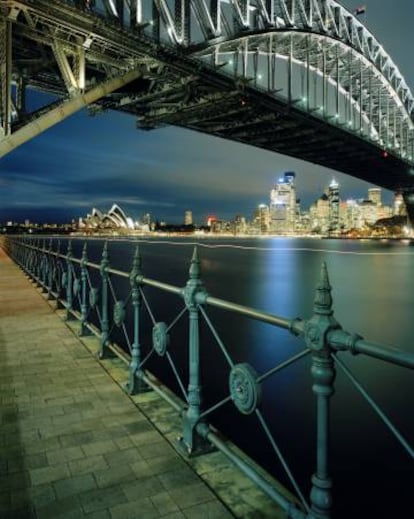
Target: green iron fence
(85,289)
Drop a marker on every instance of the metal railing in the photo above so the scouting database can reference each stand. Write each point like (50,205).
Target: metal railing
(88,291)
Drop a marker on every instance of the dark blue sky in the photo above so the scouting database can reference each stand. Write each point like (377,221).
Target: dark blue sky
(95,161)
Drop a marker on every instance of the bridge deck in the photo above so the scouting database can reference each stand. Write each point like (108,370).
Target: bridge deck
(74,444)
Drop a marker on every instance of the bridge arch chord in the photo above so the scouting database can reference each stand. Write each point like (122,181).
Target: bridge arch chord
(346,76)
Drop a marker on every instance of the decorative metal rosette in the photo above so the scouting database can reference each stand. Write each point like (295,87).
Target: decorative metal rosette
(76,286)
(160,338)
(64,280)
(245,391)
(119,313)
(93,297)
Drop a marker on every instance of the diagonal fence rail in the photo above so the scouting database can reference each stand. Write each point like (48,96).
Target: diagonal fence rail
(93,294)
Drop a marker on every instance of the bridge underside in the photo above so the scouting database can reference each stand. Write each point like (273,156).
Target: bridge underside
(173,88)
(261,121)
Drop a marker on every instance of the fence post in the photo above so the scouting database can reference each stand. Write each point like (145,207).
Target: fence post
(49,271)
(103,350)
(59,287)
(69,283)
(135,383)
(323,375)
(43,267)
(84,281)
(194,294)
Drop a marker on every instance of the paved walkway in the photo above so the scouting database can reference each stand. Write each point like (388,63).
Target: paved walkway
(73,444)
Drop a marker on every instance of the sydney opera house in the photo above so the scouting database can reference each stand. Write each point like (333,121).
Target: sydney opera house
(114,219)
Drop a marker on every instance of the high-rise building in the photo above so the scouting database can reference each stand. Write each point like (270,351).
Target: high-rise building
(333,198)
(261,219)
(188,218)
(283,204)
(374,194)
(399,208)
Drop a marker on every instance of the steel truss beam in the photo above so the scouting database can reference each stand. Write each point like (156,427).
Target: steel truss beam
(64,110)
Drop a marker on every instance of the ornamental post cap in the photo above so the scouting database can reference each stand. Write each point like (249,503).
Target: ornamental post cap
(136,262)
(323,298)
(195,265)
(105,250)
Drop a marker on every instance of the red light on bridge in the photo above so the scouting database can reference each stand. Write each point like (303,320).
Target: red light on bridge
(384,154)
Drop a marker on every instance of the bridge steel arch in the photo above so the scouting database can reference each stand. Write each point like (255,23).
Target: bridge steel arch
(301,77)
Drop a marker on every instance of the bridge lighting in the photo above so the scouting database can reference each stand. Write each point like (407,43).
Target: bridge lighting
(384,154)
(259,76)
(230,62)
(304,99)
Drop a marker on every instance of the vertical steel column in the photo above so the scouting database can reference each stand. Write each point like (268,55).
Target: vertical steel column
(156,34)
(360,129)
(135,13)
(350,109)
(337,84)
(324,111)
(269,62)
(394,127)
(289,64)
(69,283)
(84,288)
(120,11)
(255,66)
(5,74)
(379,114)
(245,57)
(323,374)
(387,120)
(307,72)
(370,107)
(135,383)
(194,294)
(103,350)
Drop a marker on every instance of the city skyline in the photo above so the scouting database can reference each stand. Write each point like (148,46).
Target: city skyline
(92,161)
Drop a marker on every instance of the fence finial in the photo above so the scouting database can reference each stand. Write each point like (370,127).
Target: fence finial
(137,261)
(195,265)
(323,298)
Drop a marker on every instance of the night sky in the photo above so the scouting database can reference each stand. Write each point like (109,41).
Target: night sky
(87,162)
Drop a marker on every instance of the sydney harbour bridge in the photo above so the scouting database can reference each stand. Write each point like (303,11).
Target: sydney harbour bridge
(303,78)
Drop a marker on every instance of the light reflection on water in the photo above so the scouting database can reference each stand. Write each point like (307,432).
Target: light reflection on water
(373,293)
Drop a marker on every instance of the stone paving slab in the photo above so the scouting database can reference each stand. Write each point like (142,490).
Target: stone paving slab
(73,444)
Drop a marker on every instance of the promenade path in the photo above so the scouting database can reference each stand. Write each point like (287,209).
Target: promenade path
(73,444)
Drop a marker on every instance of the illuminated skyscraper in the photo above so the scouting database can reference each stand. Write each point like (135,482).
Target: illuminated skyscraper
(283,204)
(333,198)
(374,194)
(188,218)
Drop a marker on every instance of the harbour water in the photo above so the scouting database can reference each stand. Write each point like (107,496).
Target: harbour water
(373,293)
